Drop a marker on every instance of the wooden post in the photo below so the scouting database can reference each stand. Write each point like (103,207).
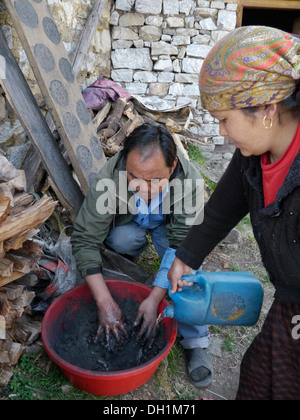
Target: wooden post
(42,43)
(18,91)
(83,45)
(87,36)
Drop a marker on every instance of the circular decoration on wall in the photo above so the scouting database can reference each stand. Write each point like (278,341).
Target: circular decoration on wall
(26,13)
(96,148)
(51,30)
(59,93)
(66,70)
(92,176)
(45,57)
(84,157)
(72,125)
(83,113)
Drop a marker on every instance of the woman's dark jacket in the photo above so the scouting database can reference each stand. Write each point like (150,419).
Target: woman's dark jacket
(276,227)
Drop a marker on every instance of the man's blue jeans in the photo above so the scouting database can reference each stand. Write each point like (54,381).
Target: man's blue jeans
(131,239)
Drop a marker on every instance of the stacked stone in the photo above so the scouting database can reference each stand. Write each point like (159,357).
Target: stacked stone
(153,48)
(158,48)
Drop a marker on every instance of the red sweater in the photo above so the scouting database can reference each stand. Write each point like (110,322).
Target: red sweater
(275,173)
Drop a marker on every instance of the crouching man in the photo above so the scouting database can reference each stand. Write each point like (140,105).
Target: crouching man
(147,188)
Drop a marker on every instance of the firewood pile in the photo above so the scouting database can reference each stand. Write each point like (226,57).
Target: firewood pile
(21,215)
(117,121)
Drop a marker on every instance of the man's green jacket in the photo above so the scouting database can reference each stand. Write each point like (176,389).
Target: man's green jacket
(110,203)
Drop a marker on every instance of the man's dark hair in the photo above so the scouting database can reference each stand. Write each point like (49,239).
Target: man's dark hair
(147,138)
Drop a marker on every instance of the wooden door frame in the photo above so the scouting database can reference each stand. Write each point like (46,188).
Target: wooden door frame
(268,4)
(263,4)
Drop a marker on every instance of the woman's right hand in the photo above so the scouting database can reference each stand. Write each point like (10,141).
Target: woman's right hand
(177,271)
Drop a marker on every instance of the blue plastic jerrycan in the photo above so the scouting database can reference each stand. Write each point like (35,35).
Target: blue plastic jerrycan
(231,298)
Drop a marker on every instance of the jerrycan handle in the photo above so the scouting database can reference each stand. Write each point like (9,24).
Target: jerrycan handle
(203,282)
(192,278)
(196,278)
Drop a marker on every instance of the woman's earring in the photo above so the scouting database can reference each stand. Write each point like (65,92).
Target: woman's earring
(267,127)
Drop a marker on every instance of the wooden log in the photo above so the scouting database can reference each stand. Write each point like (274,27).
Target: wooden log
(21,264)
(2,252)
(18,183)
(15,351)
(130,112)
(6,373)
(180,146)
(5,191)
(17,89)
(177,121)
(102,115)
(49,61)
(22,304)
(7,170)
(180,113)
(6,267)
(3,304)
(26,332)
(14,309)
(7,310)
(124,132)
(2,328)
(6,280)
(32,248)
(112,125)
(10,353)
(16,330)
(21,202)
(12,291)
(4,357)
(4,208)
(17,243)
(29,218)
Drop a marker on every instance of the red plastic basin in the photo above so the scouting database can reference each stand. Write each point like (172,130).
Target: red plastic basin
(102,383)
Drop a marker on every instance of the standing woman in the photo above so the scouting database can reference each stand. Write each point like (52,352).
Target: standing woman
(250,83)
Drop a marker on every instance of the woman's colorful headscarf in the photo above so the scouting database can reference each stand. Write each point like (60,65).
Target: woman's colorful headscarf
(252,66)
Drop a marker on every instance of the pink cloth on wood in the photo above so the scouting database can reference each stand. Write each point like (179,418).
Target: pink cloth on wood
(103,90)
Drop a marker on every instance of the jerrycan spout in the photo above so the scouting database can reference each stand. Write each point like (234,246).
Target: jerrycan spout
(169,311)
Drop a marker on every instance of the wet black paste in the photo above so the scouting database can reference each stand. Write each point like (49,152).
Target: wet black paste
(76,344)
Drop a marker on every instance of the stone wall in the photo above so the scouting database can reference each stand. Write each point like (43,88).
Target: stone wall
(154,48)
(158,48)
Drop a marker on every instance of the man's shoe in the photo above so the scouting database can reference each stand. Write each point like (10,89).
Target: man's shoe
(200,367)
